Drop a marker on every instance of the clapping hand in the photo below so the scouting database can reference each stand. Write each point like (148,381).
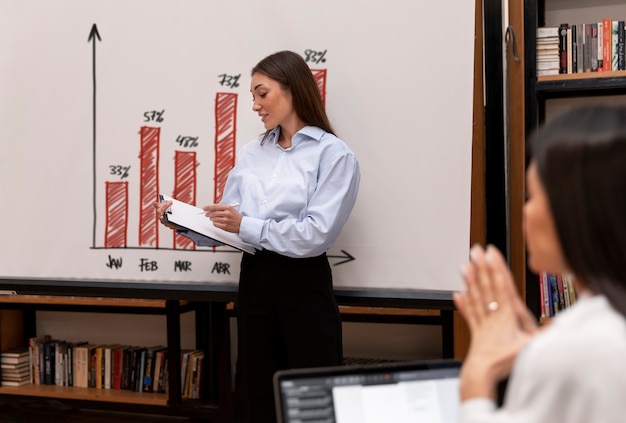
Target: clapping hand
(499,322)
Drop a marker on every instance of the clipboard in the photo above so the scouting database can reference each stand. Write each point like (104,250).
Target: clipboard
(199,228)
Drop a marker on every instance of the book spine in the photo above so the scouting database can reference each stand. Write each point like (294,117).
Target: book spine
(587,50)
(117,368)
(594,47)
(77,373)
(563,48)
(559,284)
(106,374)
(546,295)
(48,360)
(606,44)
(148,372)
(621,63)
(569,50)
(600,46)
(549,31)
(69,365)
(565,292)
(542,296)
(580,42)
(574,49)
(544,72)
(554,294)
(614,45)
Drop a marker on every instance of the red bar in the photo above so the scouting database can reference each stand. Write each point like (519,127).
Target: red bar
(225,139)
(149,185)
(320,78)
(116,226)
(185,189)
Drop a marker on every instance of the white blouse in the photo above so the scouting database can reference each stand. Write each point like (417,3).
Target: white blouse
(574,372)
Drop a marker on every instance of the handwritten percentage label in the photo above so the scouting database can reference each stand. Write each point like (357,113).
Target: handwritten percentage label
(153,116)
(314,56)
(187,142)
(119,170)
(231,81)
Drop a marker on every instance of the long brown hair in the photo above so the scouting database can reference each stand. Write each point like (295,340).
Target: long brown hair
(292,72)
(581,160)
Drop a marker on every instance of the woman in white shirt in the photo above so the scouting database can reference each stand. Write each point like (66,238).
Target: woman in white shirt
(295,187)
(575,223)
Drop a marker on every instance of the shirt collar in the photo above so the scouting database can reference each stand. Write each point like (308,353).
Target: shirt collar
(310,132)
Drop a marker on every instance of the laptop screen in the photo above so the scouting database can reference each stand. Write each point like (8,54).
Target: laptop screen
(391,392)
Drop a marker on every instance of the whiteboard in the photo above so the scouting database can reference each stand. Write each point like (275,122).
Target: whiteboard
(397,80)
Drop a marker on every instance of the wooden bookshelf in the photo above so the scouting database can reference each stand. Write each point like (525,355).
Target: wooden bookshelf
(577,76)
(27,305)
(84,301)
(87,394)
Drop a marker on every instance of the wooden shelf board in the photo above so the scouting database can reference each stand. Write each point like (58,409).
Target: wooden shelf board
(87,394)
(87,301)
(386,311)
(377,311)
(586,75)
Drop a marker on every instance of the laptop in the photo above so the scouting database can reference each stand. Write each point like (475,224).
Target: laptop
(398,392)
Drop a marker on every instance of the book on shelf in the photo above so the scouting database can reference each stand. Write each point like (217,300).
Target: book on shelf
(583,47)
(49,349)
(563,47)
(192,376)
(547,51)
(580,47)
(15,356)
(573,37)
(545,72)
(81,354)
(196,378)
(187,371)
(621,64)
(117,366)
(163,386)
(149,368)
(556,293)
(160,364)
(593,51)
(548,32)
(107,365)
(547,64)
(606,44)
(15,367)
(59,365)
(12,371)
(35,349)
(81,364)
(15,382)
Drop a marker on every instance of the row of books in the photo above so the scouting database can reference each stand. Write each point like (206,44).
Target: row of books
(15,367)
(191,373)
(556,292)
(578,48)
(86,365)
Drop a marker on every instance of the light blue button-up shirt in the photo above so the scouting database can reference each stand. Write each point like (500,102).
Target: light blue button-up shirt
(294,201)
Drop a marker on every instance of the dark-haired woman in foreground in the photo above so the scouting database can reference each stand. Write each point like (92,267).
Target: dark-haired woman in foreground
(575,223)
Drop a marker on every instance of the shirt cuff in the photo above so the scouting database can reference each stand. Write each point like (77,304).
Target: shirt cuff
(475,407)
(250,231)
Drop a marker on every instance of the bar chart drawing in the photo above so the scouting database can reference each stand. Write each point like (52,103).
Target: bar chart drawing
(118,194)
(128,202)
